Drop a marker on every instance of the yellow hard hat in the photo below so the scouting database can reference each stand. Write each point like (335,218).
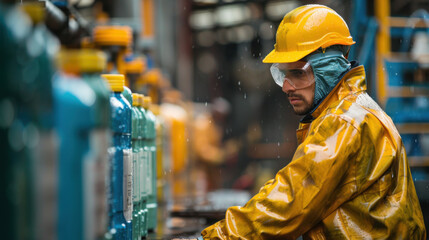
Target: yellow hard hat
(304,30)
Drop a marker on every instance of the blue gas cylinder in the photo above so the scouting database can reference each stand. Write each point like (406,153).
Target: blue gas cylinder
(81,108)
(121,177)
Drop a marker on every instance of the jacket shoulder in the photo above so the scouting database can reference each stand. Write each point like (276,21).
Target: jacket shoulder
(358,109)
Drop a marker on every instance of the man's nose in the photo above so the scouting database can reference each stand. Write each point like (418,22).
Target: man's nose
(287,87)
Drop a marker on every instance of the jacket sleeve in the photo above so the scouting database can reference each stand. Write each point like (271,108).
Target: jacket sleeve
(318,180)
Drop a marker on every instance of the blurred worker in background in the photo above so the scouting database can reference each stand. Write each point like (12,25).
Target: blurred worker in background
(207,144)
(349,177)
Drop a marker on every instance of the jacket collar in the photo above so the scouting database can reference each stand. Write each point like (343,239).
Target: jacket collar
(352,82)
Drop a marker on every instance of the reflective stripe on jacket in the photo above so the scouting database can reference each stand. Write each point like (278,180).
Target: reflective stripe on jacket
(349,179)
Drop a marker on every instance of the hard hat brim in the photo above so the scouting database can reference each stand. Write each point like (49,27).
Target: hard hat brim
(285,57)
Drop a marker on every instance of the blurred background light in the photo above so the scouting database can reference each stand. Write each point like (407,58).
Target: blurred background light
(266,31)
(276,10)
(230,15)
(206,38)
(206,62)
(202,20)
(205,1)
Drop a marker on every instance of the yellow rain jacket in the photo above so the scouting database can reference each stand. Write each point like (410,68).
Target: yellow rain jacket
(349,179)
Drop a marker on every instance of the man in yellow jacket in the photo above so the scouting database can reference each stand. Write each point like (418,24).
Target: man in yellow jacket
(349,177)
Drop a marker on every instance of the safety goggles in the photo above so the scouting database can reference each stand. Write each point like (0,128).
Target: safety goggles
(298,78)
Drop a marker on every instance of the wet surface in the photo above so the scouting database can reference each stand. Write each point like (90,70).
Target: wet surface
(186,217)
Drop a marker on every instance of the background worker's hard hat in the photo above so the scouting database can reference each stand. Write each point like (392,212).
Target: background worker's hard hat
(304,30)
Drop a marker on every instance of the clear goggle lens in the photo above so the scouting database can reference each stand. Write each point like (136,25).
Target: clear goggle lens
(298,78)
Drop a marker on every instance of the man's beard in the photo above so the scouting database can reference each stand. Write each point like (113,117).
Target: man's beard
(307,106)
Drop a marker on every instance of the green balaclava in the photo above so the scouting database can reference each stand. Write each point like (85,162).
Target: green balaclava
(328,66)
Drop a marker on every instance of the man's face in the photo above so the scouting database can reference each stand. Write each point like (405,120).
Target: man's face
(301,99)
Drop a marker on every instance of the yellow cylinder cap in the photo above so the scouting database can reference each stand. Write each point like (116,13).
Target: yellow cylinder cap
(146,102)
(136,99)
(140,100)
(86,43)
(152,76)
(113,36)
(154,108)
(81,61)
(115,81)
(135,66)
(35,10)
(304,30)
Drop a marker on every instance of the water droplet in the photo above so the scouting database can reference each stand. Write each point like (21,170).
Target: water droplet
(278,143)
(187,139)
(245,96)
(239,83)
(271,26)
(205,104)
